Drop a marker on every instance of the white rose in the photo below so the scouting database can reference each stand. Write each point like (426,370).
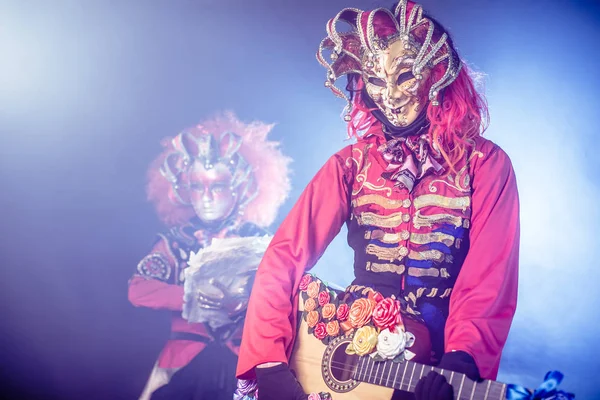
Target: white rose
(390,344)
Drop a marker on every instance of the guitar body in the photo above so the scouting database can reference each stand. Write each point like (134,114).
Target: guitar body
(325,367)
(307,363)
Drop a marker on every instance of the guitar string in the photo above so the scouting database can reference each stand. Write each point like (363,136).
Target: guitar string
(493,390)
(375,376)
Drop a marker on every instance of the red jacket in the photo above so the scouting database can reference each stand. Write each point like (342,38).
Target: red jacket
(451,242)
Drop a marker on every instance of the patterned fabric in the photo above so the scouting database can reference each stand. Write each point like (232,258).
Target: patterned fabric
(409,159)
(414,245)
(155,265)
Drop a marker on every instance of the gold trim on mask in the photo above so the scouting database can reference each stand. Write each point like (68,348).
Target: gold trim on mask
(381,221)
(455,203)
(420,220)
(396,269)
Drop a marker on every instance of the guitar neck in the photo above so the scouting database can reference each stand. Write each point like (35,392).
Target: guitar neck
(404,376)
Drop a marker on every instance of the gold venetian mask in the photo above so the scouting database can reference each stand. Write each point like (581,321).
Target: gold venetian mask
(390,83)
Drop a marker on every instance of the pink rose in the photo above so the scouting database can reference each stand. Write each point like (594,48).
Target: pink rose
(324,298)
(314,396)
(342,312)
(320,330)
(386,314)
(306,279)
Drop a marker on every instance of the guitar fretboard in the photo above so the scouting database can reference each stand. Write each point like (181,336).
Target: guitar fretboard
(406,375)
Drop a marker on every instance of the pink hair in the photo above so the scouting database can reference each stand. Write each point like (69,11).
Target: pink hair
(270,169)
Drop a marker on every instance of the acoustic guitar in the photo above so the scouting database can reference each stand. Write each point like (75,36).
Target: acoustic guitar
(324,366)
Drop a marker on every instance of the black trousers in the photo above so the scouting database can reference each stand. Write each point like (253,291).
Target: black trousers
(210,375)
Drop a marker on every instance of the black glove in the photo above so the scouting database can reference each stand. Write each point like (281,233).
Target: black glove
(278,383)
(459,361)
(435,387)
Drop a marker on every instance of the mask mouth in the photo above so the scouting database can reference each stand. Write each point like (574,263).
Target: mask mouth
(399,106)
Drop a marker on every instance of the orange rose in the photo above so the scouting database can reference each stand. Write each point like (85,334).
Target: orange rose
(329,311)
(310,304)
(312,318)
(346,327)
(313,289)
(333,328)
(361,311)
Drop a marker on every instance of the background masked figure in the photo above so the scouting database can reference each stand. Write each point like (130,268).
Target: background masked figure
(213,185)
(431,207)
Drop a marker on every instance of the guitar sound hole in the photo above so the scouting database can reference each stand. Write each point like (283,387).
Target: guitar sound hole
(343,365)
(339,367)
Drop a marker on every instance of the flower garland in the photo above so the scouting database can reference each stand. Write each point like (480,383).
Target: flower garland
(375,321)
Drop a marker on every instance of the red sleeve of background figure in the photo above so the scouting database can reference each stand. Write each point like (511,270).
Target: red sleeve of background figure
(313,222)
(484,298)
(150,286)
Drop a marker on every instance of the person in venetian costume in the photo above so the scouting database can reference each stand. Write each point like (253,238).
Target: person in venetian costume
(431,206)
(220,181)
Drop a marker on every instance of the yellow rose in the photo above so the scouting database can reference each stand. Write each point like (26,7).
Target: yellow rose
(364,341)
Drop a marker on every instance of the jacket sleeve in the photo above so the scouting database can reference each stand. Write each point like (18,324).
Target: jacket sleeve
(302,238)
(484,298)
(150,286)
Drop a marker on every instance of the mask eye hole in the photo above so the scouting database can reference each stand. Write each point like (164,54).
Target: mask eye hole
(406,76)
(376,81)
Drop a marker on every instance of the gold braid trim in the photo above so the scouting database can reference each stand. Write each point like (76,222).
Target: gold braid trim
(383,202)
(428,255)
(386,237)
(389,221)
(388,254)
(420,272)
(396,269)
(455,203)
(432,237)
(420,220)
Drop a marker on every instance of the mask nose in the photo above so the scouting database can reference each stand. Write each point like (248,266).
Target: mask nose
(207,196)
